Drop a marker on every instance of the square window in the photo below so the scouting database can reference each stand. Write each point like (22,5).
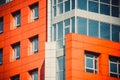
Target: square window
(16,51)
(91,62)
(16,19)
(34,12)
(17,77)
(1,24)
(114,63)
(33,75)
(1,56)
(34,44)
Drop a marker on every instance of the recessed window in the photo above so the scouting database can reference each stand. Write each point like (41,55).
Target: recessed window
(16,19)
(17,77)
(1,24)
(16,51)
(114,63)
(34,44)
(91,62)
(4,1)
(33,75)
(1,56)
(34,12)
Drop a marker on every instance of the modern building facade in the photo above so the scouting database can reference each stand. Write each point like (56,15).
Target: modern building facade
(22,39)
(59,39)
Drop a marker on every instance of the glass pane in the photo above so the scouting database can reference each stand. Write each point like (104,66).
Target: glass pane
(67,22)
(81,25)
(89,70)
(67,30)
(2,2)
(18,51)
(18,19)
(104,9)
(82,4)
(119,68)
(105,30)
(60,30)
(36,44)
(89,55)
(54,10)
(89,63)
(54,32)
(54,2)
(105,1)
(1,25)
(115,11)
(60,1)
(73,4)
(73,24)
(115,33)
(0,56)
(61,63)
(35,76)
(116,2)
(60,8)
(93,28)
(113,67)
(36,11)
(93,6)
(61,75)
(67,6)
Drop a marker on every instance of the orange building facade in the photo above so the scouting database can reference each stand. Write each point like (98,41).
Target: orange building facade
(23,20)
(76,47)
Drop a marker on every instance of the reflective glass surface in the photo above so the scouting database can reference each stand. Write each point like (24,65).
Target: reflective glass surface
(105,1)
(60,30)
(81,25)
(93,6)
(115,11)
(67,6)
(89,63)
(104,9)
(105,31)
(93,28)
(116,2)
(60,8)
(113,67)
(73,24)
(82,4)
(73,4)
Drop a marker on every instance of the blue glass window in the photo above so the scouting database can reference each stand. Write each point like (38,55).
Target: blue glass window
(60,30)
(67,6)
(73,4)
(93,6)
(54,2)
(81,25)
(60,8)
(93,28)
(116,2)
(82,4)
(60,1)
(1,25)
(115,11)
(105,31)
(73,24)
(113,67)
(67,26)
(34,75)
(1,56)
(54,32)
(115,33)
(17,77)
(105,1)
(105,9)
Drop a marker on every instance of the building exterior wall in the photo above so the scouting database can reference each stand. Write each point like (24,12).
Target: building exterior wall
(76,45)
(22,34)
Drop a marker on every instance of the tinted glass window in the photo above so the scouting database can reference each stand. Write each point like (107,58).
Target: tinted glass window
(105,1)
(54,10)
(67,6)
(93,6)
(104,9)
(115,33)
(115,11)
(81,25)
(116,2)
(82,4)
(73,4)
(105,31)
(113,67)
(73,24)
(60,8)
(93,28)
(60,30)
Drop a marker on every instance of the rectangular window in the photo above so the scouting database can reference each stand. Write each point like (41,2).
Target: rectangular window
(1,24)
(16,51)
(67,5)
(34,12)
(33,75)
(67,26)
(82,4)
(105,9)
(61,68)
(17,77)
(91,62)
(34,44)
(93,6)
(81,25)
(114,63)
(1,56)
(16,19)
(4,1)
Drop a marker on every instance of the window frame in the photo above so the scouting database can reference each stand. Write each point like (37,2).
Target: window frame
(33,44)
(33,73)
(16,19)
(16,51)
(117,63)
(95,65)
(33,8)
